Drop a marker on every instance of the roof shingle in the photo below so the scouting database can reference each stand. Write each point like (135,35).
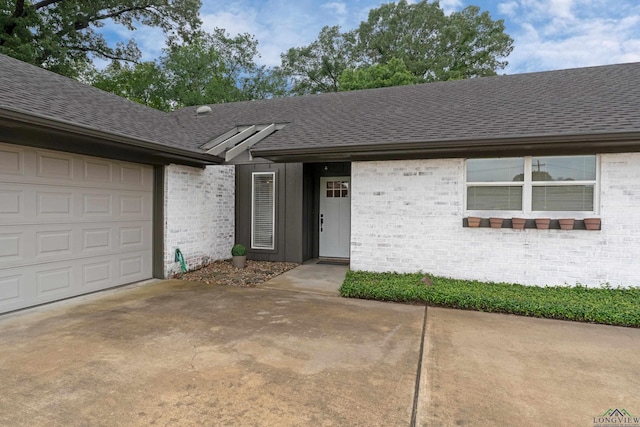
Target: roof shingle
(582,101)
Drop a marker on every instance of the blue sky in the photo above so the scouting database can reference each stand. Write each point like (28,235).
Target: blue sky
(548,34)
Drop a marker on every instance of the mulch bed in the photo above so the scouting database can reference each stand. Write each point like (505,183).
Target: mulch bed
(224,273)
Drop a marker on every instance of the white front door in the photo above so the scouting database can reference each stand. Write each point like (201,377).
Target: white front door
(335,216)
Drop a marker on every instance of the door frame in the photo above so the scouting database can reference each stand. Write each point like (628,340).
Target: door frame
(322,195)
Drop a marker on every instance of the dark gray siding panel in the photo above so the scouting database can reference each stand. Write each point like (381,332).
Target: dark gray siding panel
(293,212)
(289,212)
(158,222)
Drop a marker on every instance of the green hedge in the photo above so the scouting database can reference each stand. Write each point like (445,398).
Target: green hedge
(605,305)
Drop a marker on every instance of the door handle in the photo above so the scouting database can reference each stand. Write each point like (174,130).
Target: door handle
(321,222)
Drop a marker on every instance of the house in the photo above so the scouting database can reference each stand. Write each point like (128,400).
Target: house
(97,191)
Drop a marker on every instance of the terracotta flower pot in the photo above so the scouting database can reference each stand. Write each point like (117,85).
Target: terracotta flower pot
(592,223)
(518,223)
(566,223)
(473,221)
(496,222)
(543,223)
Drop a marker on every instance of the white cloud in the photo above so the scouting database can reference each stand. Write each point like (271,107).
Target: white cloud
(509,8)
(337,8)
(568,35)
(561,8)
(451,5)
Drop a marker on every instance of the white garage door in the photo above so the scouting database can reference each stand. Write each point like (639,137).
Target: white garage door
(70,225)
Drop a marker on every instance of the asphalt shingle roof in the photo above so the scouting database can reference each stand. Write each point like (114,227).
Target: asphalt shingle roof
(35,91)
(583,101)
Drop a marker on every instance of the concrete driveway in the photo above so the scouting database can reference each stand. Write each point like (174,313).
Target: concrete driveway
(183,353)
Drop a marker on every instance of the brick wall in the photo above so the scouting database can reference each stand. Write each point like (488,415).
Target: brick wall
(199,215)
(407,217)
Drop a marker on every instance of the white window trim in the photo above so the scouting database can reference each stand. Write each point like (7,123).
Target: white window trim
(273,213)
(527,186)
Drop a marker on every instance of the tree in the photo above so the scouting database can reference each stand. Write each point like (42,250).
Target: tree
(144,83)
(410,32)
(393,73)
(433,46)
(217,68)
(472,45)
(317,67)
(212,68)
(197,73)
(61,34)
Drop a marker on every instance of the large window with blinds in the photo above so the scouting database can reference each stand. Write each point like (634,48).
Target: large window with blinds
(263,210)
(532,184)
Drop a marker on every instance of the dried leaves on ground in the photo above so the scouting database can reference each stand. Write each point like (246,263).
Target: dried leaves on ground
(224,273)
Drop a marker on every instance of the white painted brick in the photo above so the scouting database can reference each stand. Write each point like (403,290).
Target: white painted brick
(407,217)
(199,215)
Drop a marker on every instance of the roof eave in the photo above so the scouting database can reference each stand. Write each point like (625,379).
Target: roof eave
(488,147)
(16,118)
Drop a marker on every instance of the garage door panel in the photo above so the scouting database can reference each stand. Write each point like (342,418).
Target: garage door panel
(11,292)
(11,204)
(132,266)
(70,225)
(54,165)
(51,243)
(54,204)
(97,239)
(132,175)
(132,237)
(56,280)
(11,246)
(56,242)
(11,161)
(30,166)
(97,171)
(96,204)
(98,274)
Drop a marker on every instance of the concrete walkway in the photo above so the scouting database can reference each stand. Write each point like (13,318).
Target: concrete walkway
(185,353)
(314,278)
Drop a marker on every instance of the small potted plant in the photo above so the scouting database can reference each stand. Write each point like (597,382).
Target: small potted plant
(239,255)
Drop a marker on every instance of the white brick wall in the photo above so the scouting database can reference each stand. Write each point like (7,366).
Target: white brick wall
(199,215)
(407,217)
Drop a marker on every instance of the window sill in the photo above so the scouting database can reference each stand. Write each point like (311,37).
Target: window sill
(529,224)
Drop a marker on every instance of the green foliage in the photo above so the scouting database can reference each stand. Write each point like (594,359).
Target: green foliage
(394,73)
(434,46)
(61,35)
(411,32)
(430,45)
(472,45)
(239,250)
(143,83)
(605,305)
(216,68)
(213,68)
(317,67)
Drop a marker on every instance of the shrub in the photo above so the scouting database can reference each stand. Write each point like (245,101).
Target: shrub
(239,250)
(605,305)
